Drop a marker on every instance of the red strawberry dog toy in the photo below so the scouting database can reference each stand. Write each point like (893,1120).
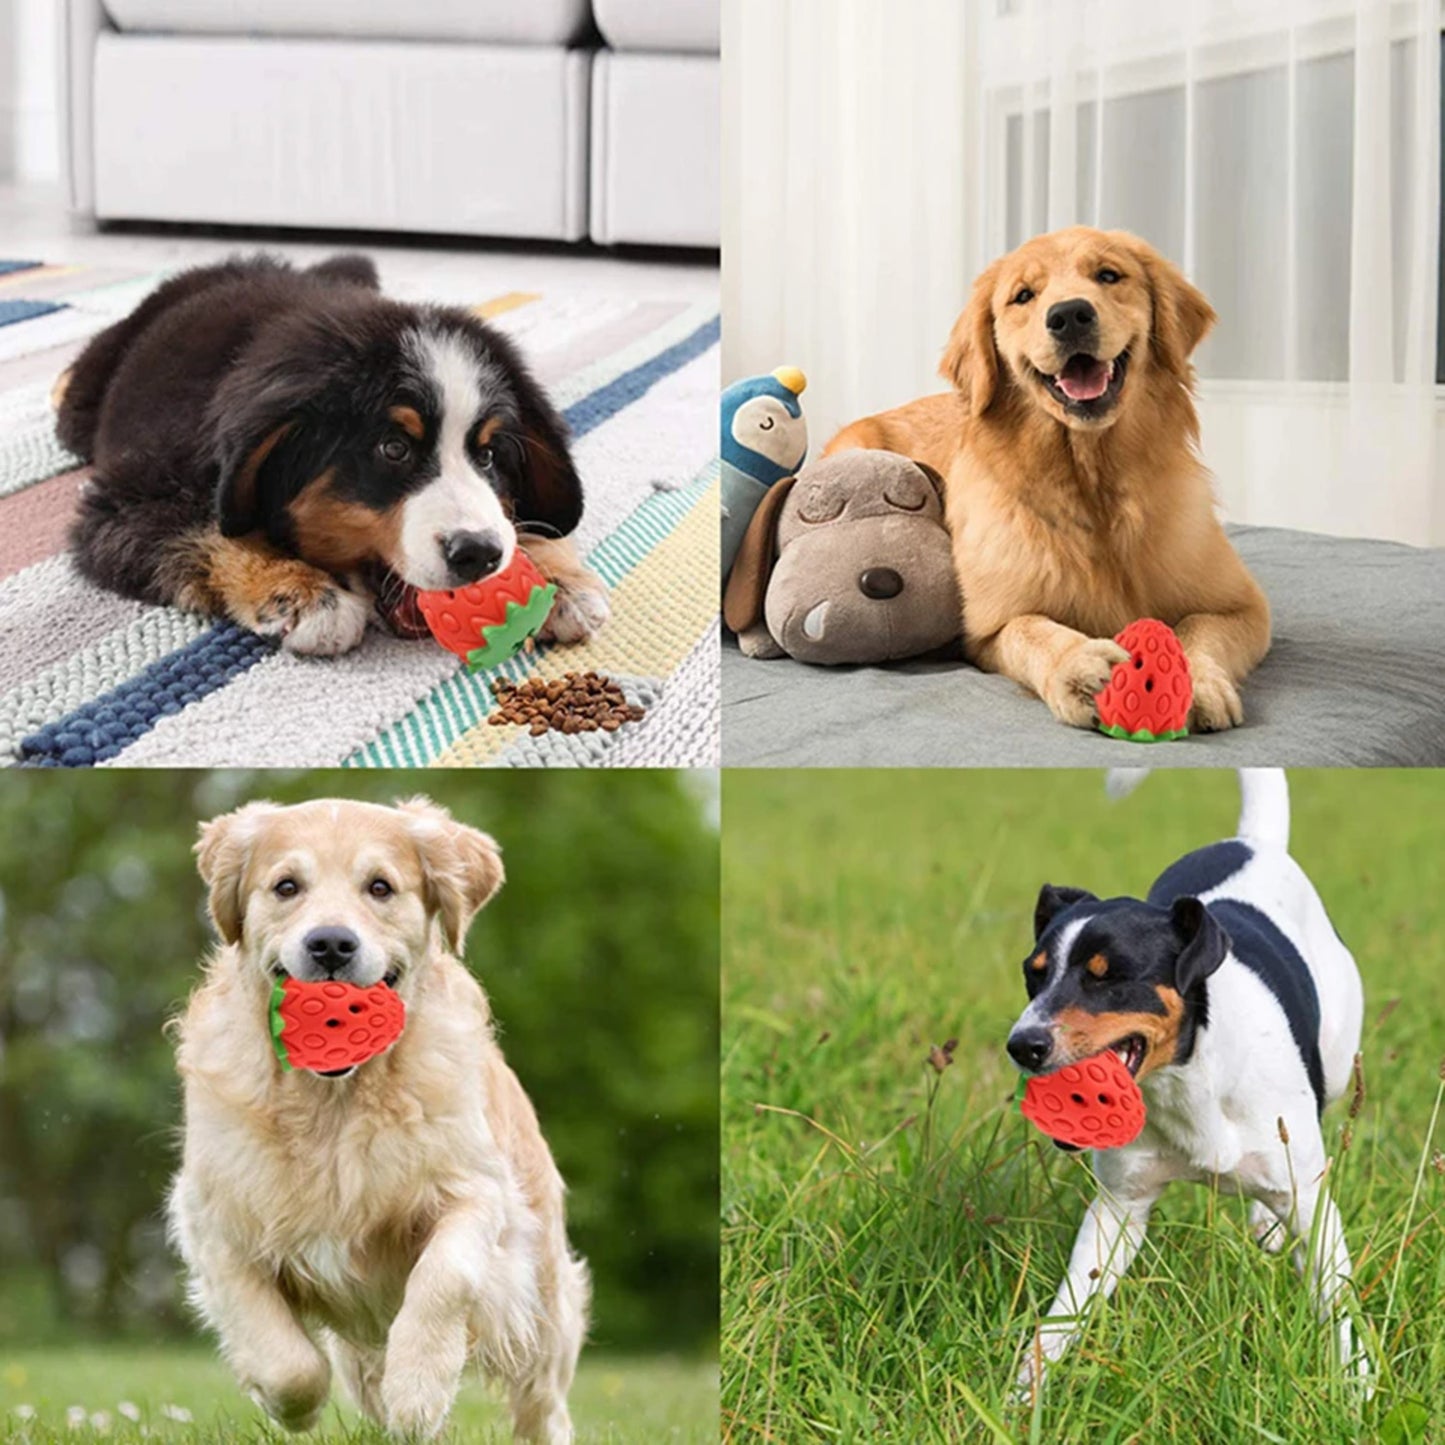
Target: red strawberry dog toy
(329,1027)
(1147,699)
(1094,1104)
(486,622)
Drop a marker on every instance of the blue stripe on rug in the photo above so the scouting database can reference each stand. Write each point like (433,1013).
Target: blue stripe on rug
(8,268)
(604,403)
(12,311)
(101,729)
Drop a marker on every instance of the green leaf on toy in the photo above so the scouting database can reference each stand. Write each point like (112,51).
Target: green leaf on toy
(501,640)
(1113,730)
(278,1024)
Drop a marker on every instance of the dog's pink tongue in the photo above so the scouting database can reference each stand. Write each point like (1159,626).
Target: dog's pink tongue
(1085,378)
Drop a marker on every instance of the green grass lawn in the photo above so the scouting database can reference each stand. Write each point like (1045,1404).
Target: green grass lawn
(891,1233)
(615,1401)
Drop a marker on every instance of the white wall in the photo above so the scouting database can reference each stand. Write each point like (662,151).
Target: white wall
(29,126)
(846,247)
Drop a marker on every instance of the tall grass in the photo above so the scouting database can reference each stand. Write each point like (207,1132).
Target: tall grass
(893,1229)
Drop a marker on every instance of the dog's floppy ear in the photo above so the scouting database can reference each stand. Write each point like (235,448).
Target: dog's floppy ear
(549,491)
(747,586)
(970,359)
(1053,901)
(222,852)
(461,866)
(1182,313)
(1205,943)
(263,440)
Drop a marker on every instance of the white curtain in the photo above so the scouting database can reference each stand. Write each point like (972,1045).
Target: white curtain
(1285,152)
(846,127)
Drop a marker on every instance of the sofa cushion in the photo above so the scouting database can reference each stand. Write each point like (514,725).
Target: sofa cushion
(660,24)
(656,182)
(482,140)
(506,22)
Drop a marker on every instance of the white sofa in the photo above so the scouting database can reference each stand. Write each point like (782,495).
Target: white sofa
(550,119)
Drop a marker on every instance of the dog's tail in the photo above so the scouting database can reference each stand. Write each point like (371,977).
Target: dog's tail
(1264,807)
(1263,797)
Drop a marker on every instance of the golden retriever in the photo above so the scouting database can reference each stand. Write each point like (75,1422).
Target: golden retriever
(394,1222)
(1076,498)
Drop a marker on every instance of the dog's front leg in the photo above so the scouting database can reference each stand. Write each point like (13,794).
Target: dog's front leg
(1223,648)
(581,606)
(1108,1239)
(467,1285)
(275,1360)
(1064,667)
(251,583)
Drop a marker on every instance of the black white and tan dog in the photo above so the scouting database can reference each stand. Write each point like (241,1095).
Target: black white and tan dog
(295,452)
(1229,996)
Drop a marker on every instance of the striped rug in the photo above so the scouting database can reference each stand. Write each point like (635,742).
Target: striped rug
(89,679)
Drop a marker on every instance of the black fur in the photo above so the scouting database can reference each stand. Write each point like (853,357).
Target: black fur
(1201,871)
(171,404)
(1275,961)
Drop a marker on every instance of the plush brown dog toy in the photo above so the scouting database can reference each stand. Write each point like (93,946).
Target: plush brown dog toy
(849,561)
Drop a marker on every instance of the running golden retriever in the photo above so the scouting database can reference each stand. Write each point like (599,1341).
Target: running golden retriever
(1076,498)
(396,1220)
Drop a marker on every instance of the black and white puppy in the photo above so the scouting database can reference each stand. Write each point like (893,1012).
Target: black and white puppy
(1229,996)
(297,453)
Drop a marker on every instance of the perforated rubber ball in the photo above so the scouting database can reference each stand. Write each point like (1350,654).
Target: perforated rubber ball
(1094,1104)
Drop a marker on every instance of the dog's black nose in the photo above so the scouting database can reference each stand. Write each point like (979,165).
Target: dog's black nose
(880,583)
(1028,1048)
(331,948)
(1070,321)
(471,556)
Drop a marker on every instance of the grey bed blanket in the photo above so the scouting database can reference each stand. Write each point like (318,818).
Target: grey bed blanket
(1355,678)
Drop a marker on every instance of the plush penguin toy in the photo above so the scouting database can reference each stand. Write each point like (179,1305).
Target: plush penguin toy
(764,440)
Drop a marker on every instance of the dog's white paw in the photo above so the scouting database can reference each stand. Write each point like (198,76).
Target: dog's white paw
(576,614)
(331,622)
(1216,699)
(1083,672)
(416,1405)
(294,1398)
(1267,1230)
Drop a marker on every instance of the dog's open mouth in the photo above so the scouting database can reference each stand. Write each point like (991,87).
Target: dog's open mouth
(395,603)
(1087,385)
(1130,1052)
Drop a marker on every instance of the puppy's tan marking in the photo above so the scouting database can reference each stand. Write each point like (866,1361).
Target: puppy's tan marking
(409,420)
(1083,1034)
(1098,965)
(488,430)
(265,591)
(1039,962)
(339,535)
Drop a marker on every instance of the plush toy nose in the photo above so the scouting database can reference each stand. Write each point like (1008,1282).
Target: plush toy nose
(880,583)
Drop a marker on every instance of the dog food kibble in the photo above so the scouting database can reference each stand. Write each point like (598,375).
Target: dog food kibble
(578,702)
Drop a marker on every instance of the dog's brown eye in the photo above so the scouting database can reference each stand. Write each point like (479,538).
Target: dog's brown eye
(287,888)
(1022,297)
(395,450)
(380,888)
(1107,276)
(484,458)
